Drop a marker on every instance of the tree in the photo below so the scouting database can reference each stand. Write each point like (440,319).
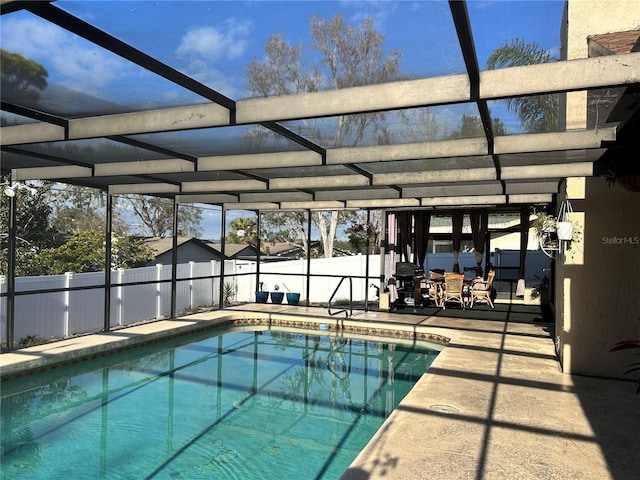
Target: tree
(33,227)
(156,214)
(471,126)
(536,113)
(85,252)
(77,208)
(351,55)
(288,227)
(363,235)
(243,230)
(21,78)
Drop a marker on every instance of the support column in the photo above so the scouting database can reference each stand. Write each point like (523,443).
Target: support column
(366,268)
(174,260)
(107,263)
(259,241)
(223,229)
(11,274)
(308,293)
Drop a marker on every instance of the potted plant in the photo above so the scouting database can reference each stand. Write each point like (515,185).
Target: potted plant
(276,296)
(545,227)
(292,298)
(228,293)
(262,295)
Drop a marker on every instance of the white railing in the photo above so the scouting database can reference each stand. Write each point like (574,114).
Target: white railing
(67,313)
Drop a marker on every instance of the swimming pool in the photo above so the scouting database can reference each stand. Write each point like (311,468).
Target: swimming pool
(225,404)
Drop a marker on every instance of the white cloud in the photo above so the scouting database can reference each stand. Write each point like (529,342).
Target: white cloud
(210,43)
(70,60)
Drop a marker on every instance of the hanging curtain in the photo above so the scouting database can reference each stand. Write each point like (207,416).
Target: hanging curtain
(524,240)
(479,220)
(404,221)
(392,242)
(423,220)
(456,223)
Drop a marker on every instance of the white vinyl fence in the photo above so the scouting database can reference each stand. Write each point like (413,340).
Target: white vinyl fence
(67,313)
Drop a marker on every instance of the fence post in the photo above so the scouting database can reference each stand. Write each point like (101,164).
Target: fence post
(120,295)
(213,281)
(158,291)
(3,316)
(67,294)
(191,267)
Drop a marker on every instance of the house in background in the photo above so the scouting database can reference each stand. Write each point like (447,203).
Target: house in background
(190,249)
(236,251)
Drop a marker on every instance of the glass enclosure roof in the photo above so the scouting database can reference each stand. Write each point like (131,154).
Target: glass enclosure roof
(168,90)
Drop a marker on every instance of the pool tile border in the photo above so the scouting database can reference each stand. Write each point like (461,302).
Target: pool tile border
(52,355)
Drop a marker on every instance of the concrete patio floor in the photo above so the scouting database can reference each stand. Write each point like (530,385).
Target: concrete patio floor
(493,405)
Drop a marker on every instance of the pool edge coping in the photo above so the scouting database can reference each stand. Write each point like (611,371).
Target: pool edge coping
(51,355)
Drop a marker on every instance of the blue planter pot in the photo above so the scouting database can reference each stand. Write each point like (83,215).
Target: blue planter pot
(276,297)
(293,298)
(261,297)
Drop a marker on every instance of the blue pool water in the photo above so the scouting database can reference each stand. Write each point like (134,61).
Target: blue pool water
(219,405)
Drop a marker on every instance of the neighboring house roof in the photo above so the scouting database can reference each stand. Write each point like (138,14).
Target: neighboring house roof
(236,250)
(614,43)
(161,245)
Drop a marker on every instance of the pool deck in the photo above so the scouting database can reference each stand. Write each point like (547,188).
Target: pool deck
(493,405)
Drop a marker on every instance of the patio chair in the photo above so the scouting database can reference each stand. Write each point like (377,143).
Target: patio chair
(481,289)
(435,285)
(453,286)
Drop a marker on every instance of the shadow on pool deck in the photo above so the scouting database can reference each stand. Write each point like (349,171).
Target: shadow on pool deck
(493,405)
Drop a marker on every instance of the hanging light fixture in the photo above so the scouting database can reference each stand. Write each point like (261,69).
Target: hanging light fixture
(11,190)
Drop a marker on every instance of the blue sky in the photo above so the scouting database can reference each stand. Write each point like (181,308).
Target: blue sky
(215,40)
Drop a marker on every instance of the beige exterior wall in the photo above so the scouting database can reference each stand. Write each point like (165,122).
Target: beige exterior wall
(597,283)
(601,291)
(592,17)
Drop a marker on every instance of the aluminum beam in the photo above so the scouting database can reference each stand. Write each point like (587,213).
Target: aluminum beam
(259,160)
(51,173)
(549,142)
(207,198)
(566,76)
(276,197)
(150,121)
(435,176)
(370,98)
(560,170)
(251,206)
(384,203)
(328,205)
(455,190)
(31,133)
(144,167)
(223,186)
(328,181)
(408,151)
(143,188)
(532,198)
(464,200)
(531,188)
(364,194)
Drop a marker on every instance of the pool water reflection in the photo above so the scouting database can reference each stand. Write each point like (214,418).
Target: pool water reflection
(223,404)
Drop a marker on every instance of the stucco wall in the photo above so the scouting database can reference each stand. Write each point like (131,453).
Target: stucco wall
(601,291)
(592,17)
